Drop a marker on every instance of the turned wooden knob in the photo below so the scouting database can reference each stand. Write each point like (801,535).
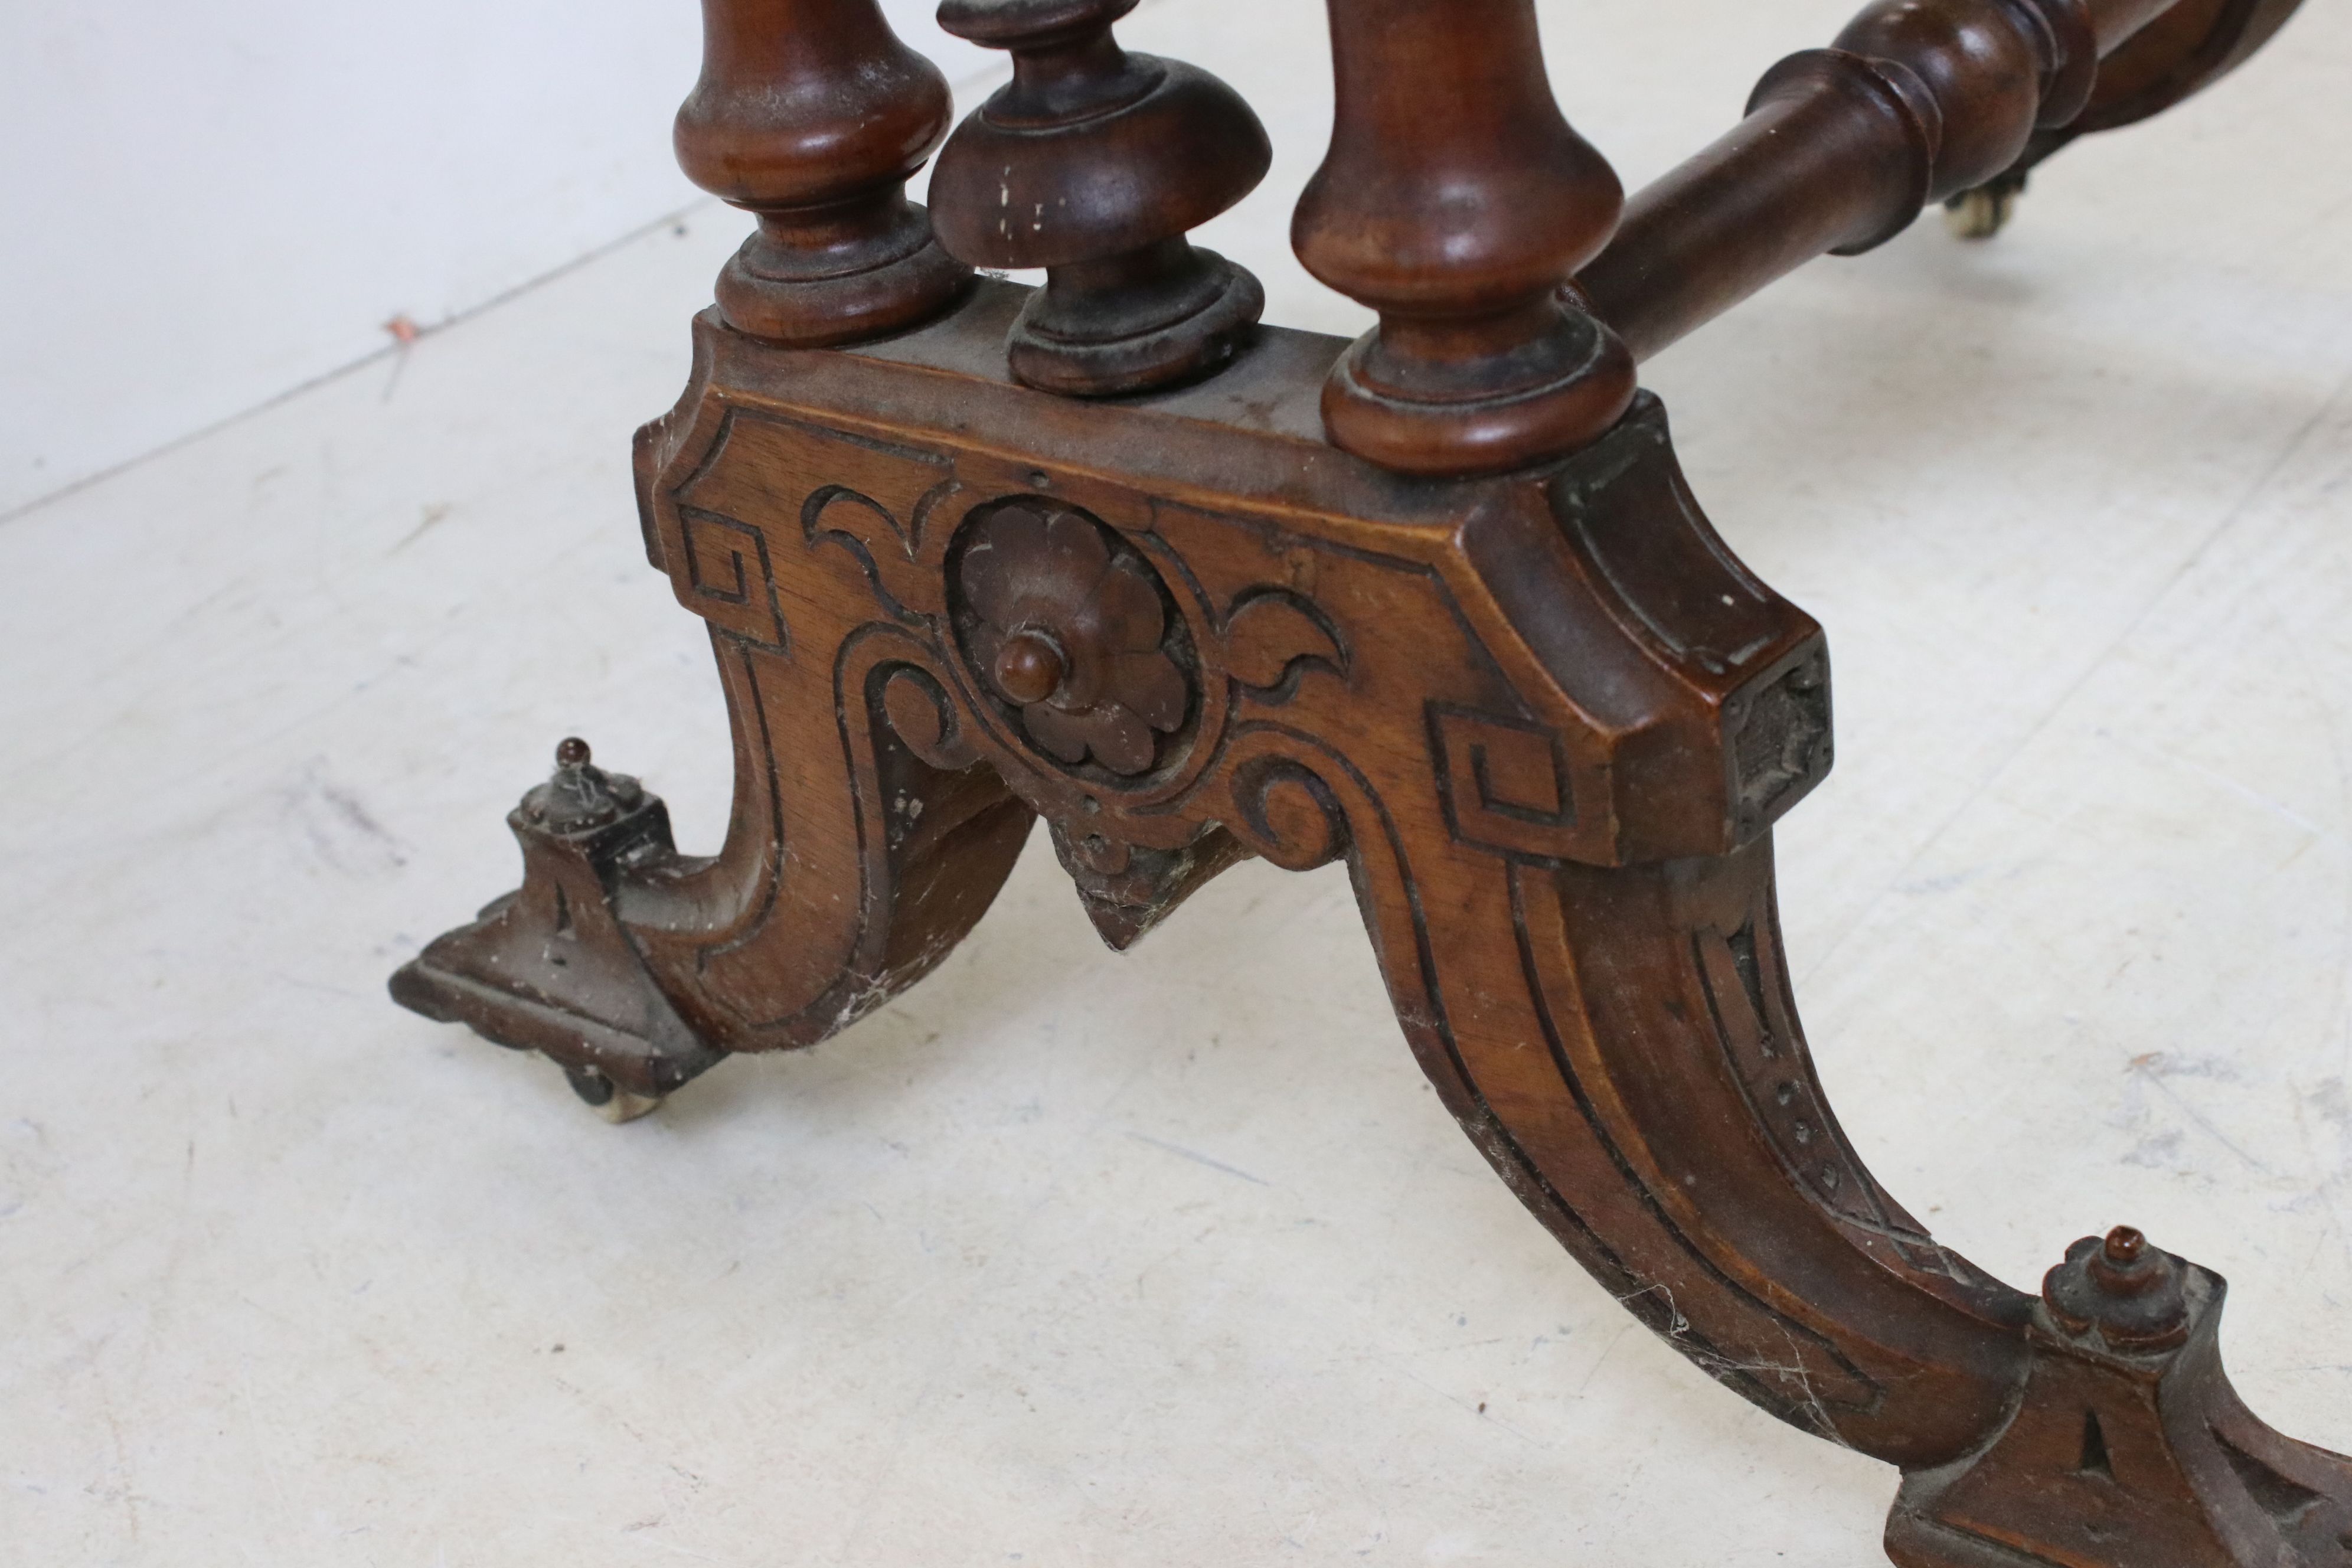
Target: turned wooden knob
(811,114)
(2124,1247)
(2132,1293)
(1093,164)
(1458,203)
(1029,667)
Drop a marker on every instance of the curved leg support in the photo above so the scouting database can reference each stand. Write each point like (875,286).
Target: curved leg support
(1620,1040)
(1621,1044)
(845,879)
(852,865)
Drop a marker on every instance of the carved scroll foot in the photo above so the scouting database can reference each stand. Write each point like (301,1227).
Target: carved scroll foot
(2128,1447)
(627,963)
(550,967)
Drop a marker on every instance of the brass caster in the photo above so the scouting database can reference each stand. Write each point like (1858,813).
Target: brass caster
(611,1101)
(1981,213)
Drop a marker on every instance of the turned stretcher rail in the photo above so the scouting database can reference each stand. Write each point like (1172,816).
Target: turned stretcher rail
(1842,147)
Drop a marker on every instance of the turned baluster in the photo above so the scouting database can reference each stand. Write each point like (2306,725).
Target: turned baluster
(1094,163)
(811,114)
(1458,202)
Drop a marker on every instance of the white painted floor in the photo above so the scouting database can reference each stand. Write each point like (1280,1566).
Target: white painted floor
(1168,1259)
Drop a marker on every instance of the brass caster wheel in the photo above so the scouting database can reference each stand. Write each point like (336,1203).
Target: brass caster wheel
(610,1100)
(1981,213)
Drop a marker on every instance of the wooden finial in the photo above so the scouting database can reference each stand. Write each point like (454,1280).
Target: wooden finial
(1093,164)
(1458,202)
(812,114)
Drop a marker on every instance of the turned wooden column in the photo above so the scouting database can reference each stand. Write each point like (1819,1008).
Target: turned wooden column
(1094,163)
(1458,202)
(811,114)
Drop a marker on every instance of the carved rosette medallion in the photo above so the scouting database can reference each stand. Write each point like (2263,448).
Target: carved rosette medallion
(1073,635)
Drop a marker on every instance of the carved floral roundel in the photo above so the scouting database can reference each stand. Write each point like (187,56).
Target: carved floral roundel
(1066,626)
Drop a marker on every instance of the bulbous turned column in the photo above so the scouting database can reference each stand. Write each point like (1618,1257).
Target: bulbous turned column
(1094,163)
(811,115)
(1458,202)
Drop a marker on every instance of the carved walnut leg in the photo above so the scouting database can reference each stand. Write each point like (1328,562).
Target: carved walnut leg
(1621,1044)
(636,968)
(1439,602)
(851,869)
(1612,1023)
(1548,717)
(851,866)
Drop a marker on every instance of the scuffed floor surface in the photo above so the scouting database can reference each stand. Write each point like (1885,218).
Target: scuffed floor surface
(1169,1260)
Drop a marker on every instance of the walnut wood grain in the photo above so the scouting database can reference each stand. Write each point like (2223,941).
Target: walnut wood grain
(1439,604)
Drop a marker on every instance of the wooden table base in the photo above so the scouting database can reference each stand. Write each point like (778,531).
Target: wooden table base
(1486,650)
